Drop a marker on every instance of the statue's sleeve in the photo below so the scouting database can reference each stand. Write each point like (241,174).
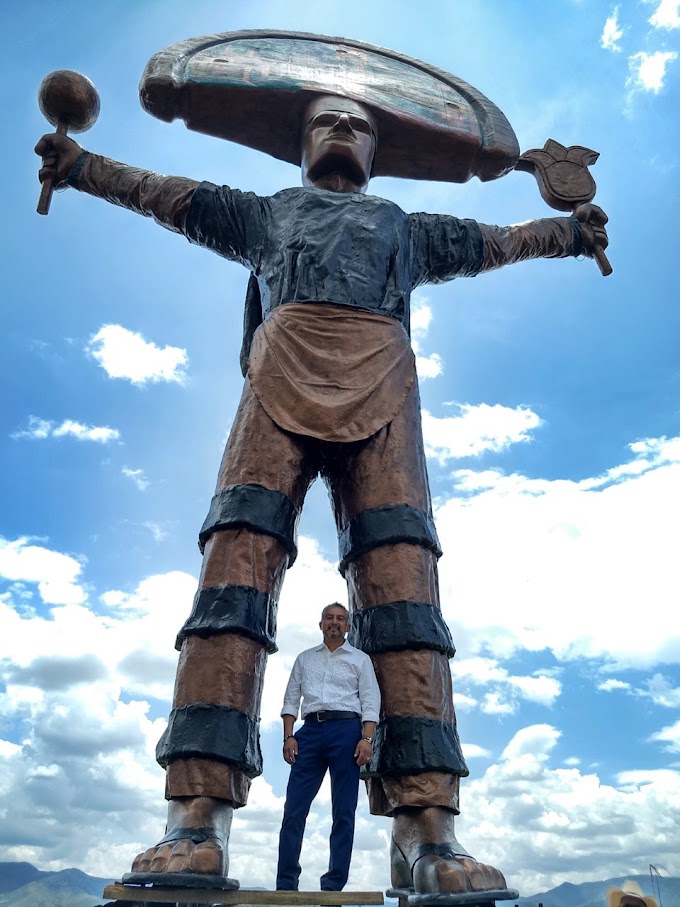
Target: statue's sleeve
(444,247)
(227,221)
(165,198)
(231,223)
(550,237)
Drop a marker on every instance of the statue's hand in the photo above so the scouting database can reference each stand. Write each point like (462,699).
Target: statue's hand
(592,220)
(59,153)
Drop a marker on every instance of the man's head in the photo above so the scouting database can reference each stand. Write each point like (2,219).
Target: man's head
(338,145)
(334,624)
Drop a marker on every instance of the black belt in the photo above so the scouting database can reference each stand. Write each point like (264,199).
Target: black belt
(329,715)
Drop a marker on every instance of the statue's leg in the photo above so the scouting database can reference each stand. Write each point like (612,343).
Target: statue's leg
(211,748)
(389,550)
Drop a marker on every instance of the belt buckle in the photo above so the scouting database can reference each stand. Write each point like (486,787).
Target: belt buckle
(319,714)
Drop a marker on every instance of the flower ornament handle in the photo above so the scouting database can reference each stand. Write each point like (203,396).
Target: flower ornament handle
(564,181)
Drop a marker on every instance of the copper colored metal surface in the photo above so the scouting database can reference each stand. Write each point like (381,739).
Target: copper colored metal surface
(415,682)
(227,669)
(165,198)
(243,558)
(69,101)
(196,777)
(564,181)
(385,795)
(552,237)
(410,570)
(330,372)
(69,98)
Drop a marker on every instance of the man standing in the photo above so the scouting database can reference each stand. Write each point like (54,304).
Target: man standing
(340,708)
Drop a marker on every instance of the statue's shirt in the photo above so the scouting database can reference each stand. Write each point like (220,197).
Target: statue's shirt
(349,249)
(339,366)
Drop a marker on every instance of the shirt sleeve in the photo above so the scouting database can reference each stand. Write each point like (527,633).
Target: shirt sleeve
(369,692)
(550,237)
(291,698)
(229,222)
(165,198)
(444,247)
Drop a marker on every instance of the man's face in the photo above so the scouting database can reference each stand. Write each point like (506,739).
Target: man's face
(334,624)
(338,137)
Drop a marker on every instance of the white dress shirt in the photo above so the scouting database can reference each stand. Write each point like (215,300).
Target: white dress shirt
(342,680)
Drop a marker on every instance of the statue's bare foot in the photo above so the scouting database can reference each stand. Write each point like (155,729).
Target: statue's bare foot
(196,839)
(427,857)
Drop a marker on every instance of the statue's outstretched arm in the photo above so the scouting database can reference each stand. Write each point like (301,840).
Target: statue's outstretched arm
(444,247)
(165,198)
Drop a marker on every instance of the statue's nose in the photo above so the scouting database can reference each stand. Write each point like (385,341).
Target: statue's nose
(343,124)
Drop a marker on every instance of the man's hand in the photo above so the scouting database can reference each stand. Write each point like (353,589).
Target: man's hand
(290,750)
(363,752)
(592,220)
(59,154)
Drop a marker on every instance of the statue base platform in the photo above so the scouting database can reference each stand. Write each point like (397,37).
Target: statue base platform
(188,896)
(407,897)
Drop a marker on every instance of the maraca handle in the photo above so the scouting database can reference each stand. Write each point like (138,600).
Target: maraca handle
(602,261)
(48,185)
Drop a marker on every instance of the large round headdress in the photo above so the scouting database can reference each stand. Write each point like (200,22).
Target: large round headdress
(252,87)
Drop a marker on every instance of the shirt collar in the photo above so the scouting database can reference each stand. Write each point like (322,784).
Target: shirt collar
(346,646)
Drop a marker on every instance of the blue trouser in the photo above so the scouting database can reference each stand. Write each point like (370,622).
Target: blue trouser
(326,745)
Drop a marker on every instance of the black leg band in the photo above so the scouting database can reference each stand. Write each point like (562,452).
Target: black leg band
(400,625)
(232,609)
(412,746)
(256,508)
(213,732)
(386,525)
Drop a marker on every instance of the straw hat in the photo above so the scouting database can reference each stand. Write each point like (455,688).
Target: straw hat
(629,895)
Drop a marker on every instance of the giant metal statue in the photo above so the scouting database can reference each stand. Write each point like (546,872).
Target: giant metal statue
(331,390)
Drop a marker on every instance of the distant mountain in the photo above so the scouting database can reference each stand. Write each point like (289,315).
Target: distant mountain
(14,875)
(594,894)
(22,885)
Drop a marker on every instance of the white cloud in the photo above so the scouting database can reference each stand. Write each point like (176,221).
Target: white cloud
(421,318)
(669,735)
(508,690)
(608,685)
(493,704)
(544,826)
(137,476)
(429,366)
(537,740)
(476,430)
(612,32)
(40,429)
(159,530)
(648,71)
(660,691)
(474,751)
(126,354)
(666,15)
(55,574)
(542,550)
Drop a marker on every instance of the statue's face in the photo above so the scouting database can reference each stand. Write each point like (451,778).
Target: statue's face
(339,138)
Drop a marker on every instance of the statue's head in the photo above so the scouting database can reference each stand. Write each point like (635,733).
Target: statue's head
(338,144)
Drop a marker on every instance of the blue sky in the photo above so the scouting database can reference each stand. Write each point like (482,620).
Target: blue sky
(551,419)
